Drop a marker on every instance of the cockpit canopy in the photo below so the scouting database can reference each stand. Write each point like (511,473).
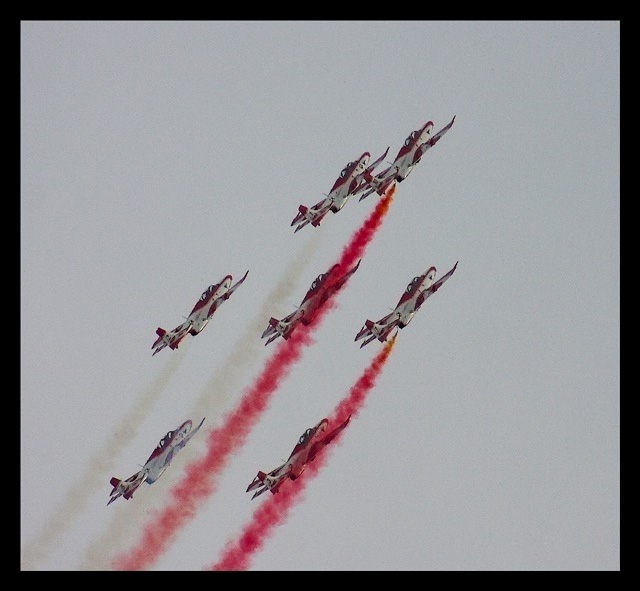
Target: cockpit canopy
(317,281)
(414,282)
(346,169)
(411,138)
(205,294)
(305,436)
(165,439)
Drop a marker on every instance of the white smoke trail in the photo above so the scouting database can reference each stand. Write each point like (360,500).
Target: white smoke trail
(98,469)
(214,396)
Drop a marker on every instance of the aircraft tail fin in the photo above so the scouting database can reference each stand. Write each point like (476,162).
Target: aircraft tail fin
(273,322)
(302,210)
(365,330)
(271,339)
(160,332)
(371,338)
(259,492)
(257,481)
(366,194)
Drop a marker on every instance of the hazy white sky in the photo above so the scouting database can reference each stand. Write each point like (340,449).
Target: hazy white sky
(159,156)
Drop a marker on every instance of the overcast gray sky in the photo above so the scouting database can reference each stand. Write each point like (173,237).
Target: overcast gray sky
(159,156)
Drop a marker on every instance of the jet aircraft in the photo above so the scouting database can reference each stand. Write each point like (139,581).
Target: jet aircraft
(353,176)
(157,463)
(305,451)
(322,288)
(419,289)
(414,147)
(202,312)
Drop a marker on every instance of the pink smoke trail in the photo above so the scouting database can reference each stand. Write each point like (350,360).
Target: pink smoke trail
(273,511)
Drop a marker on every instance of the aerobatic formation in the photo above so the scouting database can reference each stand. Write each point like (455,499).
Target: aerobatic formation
(356,178)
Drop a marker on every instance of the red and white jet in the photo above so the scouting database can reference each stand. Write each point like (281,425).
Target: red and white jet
(414,147)
(305,451)
(202,312)
(419,289)
(353,176)
(322,288)
(157,463)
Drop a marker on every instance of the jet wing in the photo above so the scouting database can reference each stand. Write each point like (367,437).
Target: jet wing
(338,284)
(178,333)
(372,166)
(385,333)
(328,438)
(365,177)
(434,139)
(234,287)
(318,213)
(318,445)
(434,286)
(226,296)
(189,436)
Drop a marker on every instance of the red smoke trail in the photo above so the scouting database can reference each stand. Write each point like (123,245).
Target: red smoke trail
(273,511)
(356,246)
(198,482)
